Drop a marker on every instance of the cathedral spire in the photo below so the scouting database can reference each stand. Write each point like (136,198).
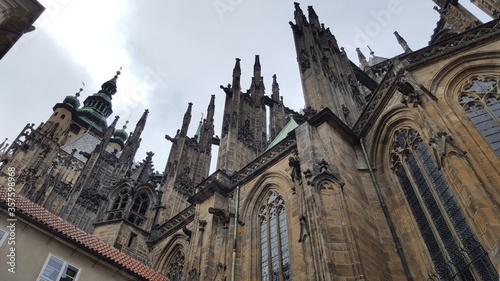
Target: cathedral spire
(211,109)
(313,17)
(362,59)
(276,89)
(403,43)
(109,87)
(257,87)
(300,19)
(186,120)
(97,107)
(236,74)
(111,128)
(135,137)
(108,135)
(198,130)
(256,67)
(139,127)
(144,170)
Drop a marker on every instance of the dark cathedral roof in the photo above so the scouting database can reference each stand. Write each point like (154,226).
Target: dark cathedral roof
(84,143)
(72,234)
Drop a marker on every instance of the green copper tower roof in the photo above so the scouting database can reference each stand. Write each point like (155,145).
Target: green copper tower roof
(121,134)
(290,126)
(97,107)
(73,100)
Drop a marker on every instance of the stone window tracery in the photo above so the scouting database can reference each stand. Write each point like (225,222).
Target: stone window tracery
(480,98)
(175,266)
(275,254)
(139,208)
(449,239)
(119,204)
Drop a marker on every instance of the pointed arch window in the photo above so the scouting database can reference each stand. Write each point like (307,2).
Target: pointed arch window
(175,266)
(139,208)
(119,203)
(449,239)
(480,98)
(275,254)
(120,200)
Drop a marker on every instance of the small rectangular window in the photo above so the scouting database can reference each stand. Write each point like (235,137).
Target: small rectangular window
(132,239)
(56,269)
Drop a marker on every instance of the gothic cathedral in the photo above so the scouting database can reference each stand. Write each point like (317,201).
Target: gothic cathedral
(390,172)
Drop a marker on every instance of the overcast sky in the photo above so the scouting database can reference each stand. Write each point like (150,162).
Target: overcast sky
(176,52)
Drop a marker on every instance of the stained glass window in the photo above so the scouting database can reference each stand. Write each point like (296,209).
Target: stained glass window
(480,99)
(449,239)
(275,255)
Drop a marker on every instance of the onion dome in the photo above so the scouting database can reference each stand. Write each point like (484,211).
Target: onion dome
(121,134)
(73,100)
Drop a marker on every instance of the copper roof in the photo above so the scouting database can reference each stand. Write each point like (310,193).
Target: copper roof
(80,237)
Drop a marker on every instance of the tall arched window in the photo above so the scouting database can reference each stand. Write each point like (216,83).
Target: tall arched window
(480,99)
(274,240)
(120,200)
(119,203)
(139,208)
(449,239)
(175,266)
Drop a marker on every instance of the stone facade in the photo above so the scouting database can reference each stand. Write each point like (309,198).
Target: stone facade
(389,173)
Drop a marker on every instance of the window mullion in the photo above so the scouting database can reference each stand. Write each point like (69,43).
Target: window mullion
(489,111)
(269,254)
(278,238)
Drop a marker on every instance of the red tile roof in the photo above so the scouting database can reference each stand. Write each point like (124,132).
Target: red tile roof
(80,237)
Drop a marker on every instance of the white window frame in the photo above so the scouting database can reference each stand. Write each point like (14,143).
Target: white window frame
(4,237)
(61,272)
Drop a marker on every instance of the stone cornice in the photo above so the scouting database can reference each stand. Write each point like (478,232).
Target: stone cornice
(172,225)
(327,116)
(269,157)
(378,99)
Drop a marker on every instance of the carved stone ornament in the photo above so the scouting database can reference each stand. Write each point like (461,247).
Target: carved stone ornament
(304,60)
(222,215)
(345,110)
(90,199)
(245,134)
(304,228)
(151,247)
(201,225)
(221,271)
(443,145)
(410,94)
(193,274)
(295,174)
(188,232)
(309,112)
(324,178)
